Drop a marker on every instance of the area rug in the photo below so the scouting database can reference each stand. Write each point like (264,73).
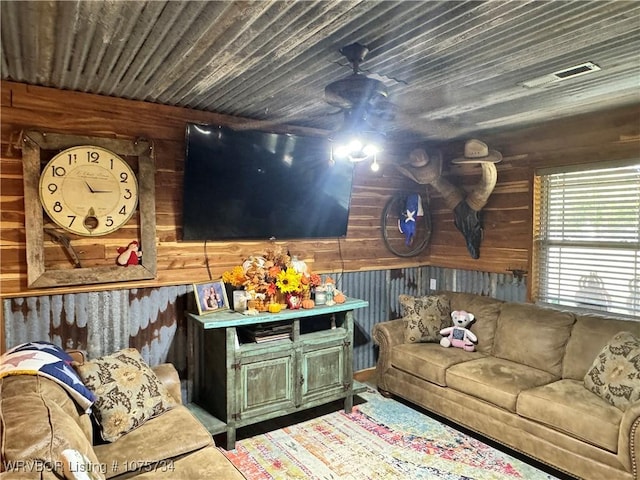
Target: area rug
(379,439)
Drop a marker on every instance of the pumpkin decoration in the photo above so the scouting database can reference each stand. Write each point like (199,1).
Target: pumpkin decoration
(308,303)
(274,307)
(339,297)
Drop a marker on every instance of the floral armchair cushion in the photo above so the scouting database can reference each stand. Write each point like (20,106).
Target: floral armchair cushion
(425,317)
(615,373)
(128,392)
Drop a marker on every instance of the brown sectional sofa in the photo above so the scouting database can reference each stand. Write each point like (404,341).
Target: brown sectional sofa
(38,420)
(523,386)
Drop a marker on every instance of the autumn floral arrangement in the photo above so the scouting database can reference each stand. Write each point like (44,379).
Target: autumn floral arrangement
(271,277)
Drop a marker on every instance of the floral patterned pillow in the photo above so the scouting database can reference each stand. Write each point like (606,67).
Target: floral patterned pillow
(128,392)
(615,373)
(425,317)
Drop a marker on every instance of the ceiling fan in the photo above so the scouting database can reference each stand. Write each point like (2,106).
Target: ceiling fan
(362,99)
(358,94)
(364,102)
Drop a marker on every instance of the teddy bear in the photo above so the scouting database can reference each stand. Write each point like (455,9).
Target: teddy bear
(459,335)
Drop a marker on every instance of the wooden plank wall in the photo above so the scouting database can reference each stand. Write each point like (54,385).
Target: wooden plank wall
(606,136)
(611,135)
(507,215)
(28,107)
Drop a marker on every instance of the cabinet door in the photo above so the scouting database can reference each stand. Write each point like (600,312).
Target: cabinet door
(323,373)
(266,386)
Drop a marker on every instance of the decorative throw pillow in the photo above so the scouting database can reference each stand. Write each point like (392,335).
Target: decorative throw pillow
(128,392)
(615,373)
(425,317)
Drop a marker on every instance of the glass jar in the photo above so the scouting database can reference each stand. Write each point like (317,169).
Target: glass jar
(239,300)
(321,295)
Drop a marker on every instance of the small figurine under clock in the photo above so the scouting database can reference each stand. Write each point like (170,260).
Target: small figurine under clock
(129,255)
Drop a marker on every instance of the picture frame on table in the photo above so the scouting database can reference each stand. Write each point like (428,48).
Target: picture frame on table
(211,297)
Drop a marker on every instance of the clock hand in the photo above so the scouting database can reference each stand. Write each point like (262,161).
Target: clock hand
(96,191)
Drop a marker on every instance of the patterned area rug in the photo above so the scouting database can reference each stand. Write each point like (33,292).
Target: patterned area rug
(380,439)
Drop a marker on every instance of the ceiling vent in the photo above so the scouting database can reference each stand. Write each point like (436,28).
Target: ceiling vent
(564,74)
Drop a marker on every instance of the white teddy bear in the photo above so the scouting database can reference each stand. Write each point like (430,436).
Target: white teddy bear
(459,335)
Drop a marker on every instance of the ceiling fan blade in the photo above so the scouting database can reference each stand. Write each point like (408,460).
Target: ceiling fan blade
(424,129)
(266,124)
(285,120)
(355,90)
(336,100)
(383,109)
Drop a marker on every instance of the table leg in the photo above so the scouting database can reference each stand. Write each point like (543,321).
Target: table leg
(348,403)
(231,438)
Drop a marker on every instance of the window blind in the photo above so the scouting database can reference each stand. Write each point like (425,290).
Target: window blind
(587,239)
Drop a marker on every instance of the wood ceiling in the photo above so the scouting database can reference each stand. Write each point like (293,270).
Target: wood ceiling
(452,69)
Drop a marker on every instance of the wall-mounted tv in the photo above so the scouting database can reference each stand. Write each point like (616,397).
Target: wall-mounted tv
(249,184)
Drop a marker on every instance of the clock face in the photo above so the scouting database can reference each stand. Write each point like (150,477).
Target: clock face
(88,190)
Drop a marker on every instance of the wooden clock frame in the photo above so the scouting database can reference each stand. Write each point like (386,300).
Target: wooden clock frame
(37,274)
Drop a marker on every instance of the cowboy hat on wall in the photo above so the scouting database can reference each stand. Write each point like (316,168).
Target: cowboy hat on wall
(476,151)
(466,206)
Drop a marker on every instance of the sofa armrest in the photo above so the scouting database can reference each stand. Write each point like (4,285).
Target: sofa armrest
(386,335)
(79,356)
(629,439)
(168,375)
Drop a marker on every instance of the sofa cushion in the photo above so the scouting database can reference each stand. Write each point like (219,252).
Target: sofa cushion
(174,433)
(588,337)
(425,317)
(429,361)
(615,373)
(128,392)
(39,421)
(485,310)
(533,336)
(80,467)
(567,406)
(495,380)
(203,464)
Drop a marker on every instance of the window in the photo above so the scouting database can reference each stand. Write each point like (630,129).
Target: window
(587,239)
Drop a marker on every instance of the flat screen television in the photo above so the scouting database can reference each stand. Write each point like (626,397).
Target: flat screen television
(250,184)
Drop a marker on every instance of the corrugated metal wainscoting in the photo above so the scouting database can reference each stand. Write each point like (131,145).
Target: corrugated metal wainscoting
(149,319)
(153,321)
(382,287)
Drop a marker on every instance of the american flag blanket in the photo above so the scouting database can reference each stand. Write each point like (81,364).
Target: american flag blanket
(47,360)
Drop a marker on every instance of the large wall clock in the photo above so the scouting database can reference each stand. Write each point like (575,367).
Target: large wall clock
(88,188)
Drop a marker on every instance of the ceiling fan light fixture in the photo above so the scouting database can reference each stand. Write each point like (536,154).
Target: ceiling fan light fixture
(375,166)
(357,156)
(362,99)
(340,151)
(357,145)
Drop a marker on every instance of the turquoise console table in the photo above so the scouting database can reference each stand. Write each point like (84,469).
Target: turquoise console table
(238,383)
